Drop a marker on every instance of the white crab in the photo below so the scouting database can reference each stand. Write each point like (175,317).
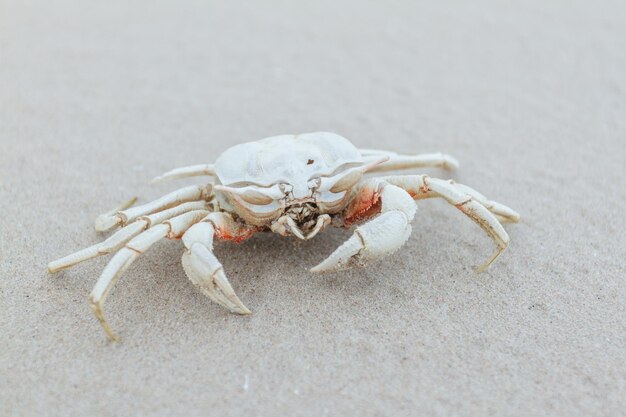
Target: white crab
(290,185)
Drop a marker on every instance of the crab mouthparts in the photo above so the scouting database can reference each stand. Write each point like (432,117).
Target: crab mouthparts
(301,220)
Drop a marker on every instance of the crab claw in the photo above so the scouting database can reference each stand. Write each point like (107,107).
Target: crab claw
(375,239)
(206,272)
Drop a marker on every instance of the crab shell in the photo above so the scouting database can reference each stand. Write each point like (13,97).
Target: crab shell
(260,180)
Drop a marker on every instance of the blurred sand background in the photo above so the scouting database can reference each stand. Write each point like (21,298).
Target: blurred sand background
(96,98)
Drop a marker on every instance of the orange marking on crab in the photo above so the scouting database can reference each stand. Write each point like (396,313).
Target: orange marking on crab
(237,238)
(460,207)
(366,205)
(420,193)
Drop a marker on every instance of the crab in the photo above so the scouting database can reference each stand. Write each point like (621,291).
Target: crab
(291,185)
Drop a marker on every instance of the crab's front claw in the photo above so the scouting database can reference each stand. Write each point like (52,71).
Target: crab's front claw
(375,239)
(206,272)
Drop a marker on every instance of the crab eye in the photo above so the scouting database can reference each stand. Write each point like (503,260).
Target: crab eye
(347,181)
(255,197)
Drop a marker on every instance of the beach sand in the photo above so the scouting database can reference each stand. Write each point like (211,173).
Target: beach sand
(96,98)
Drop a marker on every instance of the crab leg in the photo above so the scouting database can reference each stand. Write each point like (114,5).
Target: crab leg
(203,268)
(380,236)
(476,206)
(172,229)
(419,186)
(123,217)
(503,213)
(119,239)
(398,161)
(185,172)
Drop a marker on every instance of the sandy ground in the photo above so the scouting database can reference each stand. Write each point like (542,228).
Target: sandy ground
(98,97)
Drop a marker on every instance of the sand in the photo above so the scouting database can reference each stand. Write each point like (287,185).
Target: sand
(96,98)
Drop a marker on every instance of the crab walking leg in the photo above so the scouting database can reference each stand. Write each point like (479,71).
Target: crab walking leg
(112,244)
(185,172)
(112,219)
(171,228)
(502,212)
(203,268)
(419,188)
(473,204)
(119,239)
(378,237)
(397,161)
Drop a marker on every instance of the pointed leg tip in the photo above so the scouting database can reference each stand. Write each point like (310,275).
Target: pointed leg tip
(58,266)
(344,257)
(111,335)
(238,307)
(321,268)
(510,217)
(113,338)
(451,164)
(97,309)
(130,202)
(325,269)
(485,266)
(234,308)
(105,223)
(243,311)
